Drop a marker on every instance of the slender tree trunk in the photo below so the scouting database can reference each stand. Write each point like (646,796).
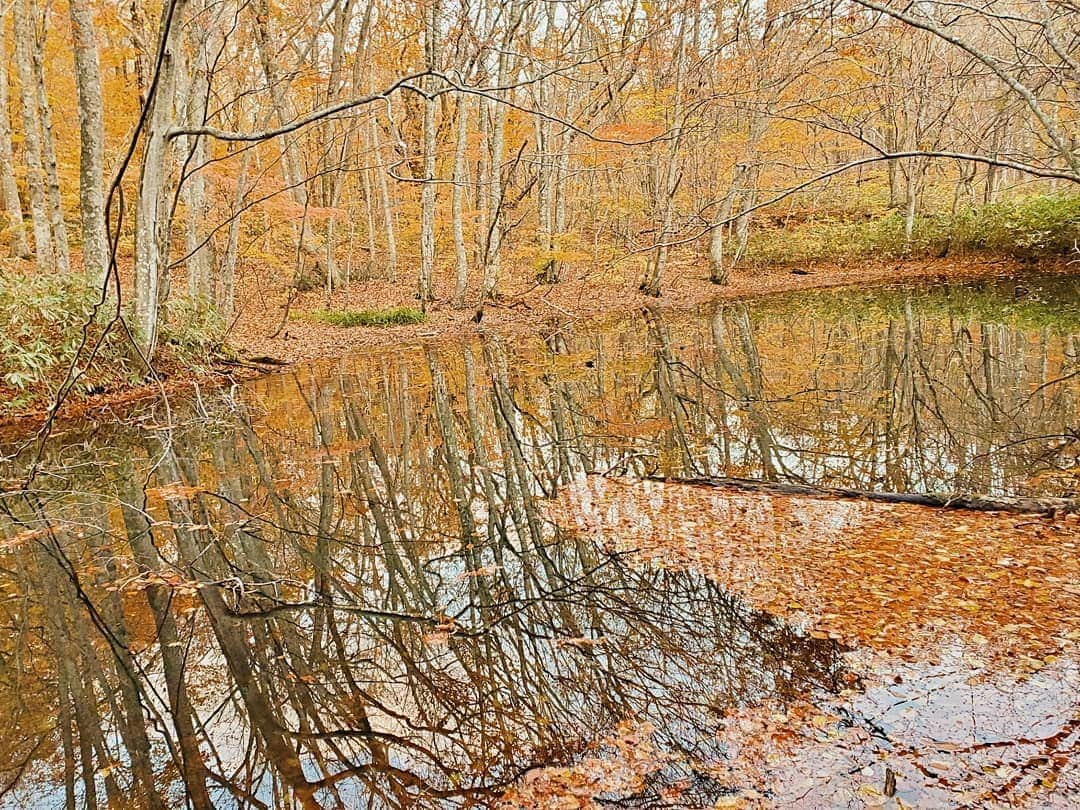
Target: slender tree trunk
(548,264)
(912,199)
(493,248)
(562,189)
(483,178)
(387,206)
(497,146)
(91,141)
(199,255)
(742,223)
(152,206)
(290,161)
(427,191)
(672,170)
(57,225)
(35,170)
(369,212)
(226,303)
(718,269)
(18,245)
(140,61)
(461,257)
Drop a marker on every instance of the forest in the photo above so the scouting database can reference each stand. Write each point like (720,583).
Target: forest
(185,174)
(539,404)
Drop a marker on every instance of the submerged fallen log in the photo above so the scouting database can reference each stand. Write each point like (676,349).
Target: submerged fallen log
(982,503)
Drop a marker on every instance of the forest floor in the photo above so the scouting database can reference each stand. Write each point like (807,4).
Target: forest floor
(526,307)
(273,321)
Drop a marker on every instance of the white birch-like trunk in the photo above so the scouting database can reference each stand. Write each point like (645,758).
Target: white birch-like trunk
(651,284)
(548,269)
(91,141)
(493,250)
(35,171)
(152,205)
(199,255)
(457,203)
(387,206)
(226,300)
(493,253)
(427,191)
(483,178)
(718,271)
(57,226)
(18,244)
(369,204)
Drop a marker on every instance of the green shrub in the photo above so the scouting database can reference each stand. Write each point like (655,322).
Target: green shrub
(46,319)
(42,323)
(396,316)
(1024,227)
(194,328)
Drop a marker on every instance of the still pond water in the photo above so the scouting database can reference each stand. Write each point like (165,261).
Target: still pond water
(342,586)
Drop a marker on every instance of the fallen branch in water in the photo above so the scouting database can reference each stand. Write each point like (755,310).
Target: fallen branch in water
(259,362)
(1039,506)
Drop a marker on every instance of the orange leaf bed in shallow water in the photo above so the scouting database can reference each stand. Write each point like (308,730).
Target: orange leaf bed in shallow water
(965,681)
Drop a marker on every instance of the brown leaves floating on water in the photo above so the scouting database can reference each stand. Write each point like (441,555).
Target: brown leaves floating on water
(964,687)
(619,766)
(893,577)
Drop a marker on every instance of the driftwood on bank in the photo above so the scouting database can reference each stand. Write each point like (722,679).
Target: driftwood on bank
(1038,506)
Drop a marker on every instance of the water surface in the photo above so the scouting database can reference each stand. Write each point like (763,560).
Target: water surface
(341,587)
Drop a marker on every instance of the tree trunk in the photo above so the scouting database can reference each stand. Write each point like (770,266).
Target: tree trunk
(197,246)
(18,245)
(912,199)
(718,270)
(461,257)
(548,265)
(497,146)
(62,254)
(672,173)
(493,248)
(35,171)
(427,191)
(152,206)
(91,141)
(227,297)
(387,206)
(1036,506)
(291,173)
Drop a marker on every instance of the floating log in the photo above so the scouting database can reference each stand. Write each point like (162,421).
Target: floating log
(981,503)
(259,362)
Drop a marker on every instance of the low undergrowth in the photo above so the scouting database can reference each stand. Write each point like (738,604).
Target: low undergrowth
(1024,228)
(395,316)
(48,330)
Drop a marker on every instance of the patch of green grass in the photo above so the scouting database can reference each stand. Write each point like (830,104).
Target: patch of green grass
(395,316)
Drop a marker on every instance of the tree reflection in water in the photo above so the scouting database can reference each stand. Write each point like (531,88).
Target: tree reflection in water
(340,589)
(258,657)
